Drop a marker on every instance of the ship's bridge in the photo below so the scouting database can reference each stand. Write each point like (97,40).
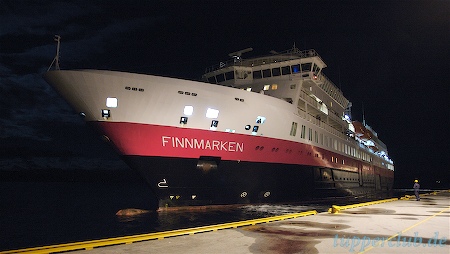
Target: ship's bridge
(238,72)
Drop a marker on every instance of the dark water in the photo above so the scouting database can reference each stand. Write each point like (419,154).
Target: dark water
(39,213)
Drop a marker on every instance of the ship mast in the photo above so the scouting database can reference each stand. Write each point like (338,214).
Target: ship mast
(56,59)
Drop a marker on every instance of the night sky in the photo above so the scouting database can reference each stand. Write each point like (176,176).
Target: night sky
(390,58)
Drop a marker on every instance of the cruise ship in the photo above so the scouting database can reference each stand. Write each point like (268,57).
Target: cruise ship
(267,129)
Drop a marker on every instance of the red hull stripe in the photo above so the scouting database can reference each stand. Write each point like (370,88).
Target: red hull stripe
(167,141)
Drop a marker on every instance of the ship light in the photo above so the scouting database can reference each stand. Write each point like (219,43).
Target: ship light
(111,102)
(188,110)
(212,113)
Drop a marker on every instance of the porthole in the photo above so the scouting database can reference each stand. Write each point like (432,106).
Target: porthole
(247,127)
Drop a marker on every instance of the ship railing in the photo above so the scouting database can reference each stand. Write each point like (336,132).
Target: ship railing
(310,118)
(287,55)
(331,89)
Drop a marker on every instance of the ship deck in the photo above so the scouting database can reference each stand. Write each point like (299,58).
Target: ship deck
(392,225)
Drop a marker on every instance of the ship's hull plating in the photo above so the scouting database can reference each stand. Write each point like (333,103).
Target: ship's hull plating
(211,182)
(256,154)
(194,173)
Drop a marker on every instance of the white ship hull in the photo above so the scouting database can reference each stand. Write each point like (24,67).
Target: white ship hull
(188,159)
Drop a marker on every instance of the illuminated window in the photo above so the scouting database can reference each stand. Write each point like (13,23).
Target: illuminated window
(249,89)
(295,68)
(212,113)
(266,87)
(247,127)
(188,110)
(111,102)
(293,129)
(274,86)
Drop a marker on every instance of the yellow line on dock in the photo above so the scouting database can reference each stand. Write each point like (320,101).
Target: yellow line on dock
(86,245)
(336,209)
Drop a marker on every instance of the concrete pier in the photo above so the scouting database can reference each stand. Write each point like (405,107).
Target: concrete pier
(390,226)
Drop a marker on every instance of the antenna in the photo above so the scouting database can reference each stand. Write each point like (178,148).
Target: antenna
(364,120)
(56,59)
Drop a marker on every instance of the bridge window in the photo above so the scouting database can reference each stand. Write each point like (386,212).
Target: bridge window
(266,73)
(257,74)
(220,77)
(295,68)
(316,69)
(285,70)
(276,72)
(306,67)
(229,75)
(212,80)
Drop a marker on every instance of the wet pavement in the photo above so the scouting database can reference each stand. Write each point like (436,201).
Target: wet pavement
(400,226)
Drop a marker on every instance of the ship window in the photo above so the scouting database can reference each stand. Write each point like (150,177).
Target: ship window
(183,120)
(303,132)
(260,119)
(106,113)
(266,73)
(188,110)
(257,74)
(229,75)
(295,68)
(247,127)
(316,69)
(293,129)
(310,134)
(293,86)
(220,77)
(276,72)
(274,86)
(111,102)
(285,70)
(266,87)
(316,138)
(306,67)
(212,80)
(212,113)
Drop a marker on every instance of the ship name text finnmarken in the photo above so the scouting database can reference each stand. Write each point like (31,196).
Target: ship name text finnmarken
(203,144)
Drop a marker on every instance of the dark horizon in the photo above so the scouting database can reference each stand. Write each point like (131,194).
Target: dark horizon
(390,59)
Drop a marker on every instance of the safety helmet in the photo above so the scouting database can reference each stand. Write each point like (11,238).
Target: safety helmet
(416,181)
